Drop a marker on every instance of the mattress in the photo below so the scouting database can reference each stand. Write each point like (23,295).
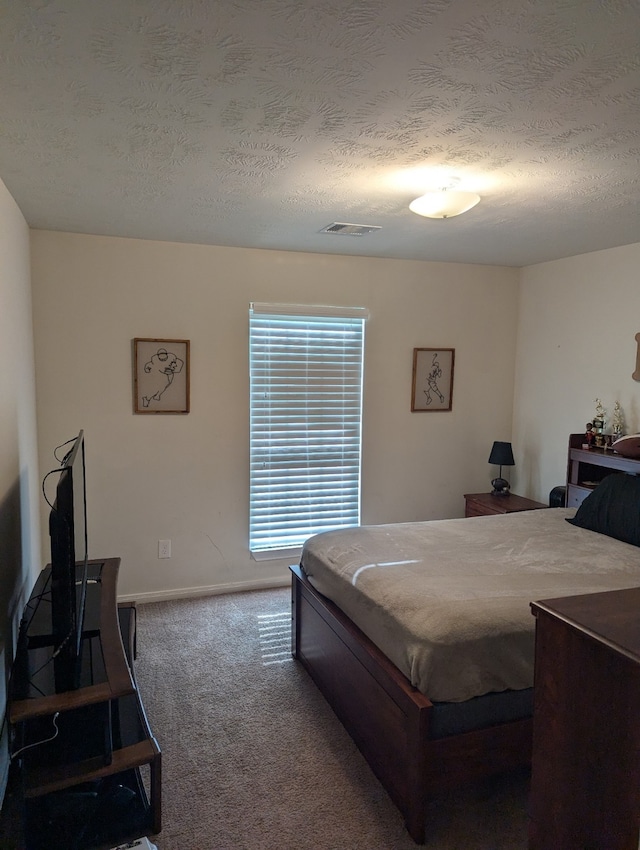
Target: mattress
(447,601)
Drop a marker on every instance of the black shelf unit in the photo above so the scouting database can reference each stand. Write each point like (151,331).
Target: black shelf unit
(97,783)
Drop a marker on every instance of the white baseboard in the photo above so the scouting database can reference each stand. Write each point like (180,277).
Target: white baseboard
(211,590)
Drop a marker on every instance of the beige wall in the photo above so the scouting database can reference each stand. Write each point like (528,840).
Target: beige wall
(185,478)
(19,479)
(576,342)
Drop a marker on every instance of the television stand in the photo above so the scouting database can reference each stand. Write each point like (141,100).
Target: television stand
(97,782)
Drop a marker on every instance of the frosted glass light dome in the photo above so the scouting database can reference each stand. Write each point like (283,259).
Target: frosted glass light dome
(444,203)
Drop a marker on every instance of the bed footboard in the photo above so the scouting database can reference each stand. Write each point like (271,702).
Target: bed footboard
(387,717)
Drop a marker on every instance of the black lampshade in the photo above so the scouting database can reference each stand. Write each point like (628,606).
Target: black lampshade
(502,454)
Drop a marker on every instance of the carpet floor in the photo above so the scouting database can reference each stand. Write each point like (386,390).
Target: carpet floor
(253,758)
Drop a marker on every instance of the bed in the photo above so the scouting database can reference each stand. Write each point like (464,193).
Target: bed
(421,637)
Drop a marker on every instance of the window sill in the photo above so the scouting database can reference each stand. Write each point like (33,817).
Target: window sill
(278,554)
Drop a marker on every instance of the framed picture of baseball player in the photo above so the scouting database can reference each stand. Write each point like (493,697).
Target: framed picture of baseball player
(432,384)
(161,375)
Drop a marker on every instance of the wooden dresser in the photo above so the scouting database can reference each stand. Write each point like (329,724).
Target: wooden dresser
(585,788)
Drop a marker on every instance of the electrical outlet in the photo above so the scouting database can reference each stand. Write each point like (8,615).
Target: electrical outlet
(164,548)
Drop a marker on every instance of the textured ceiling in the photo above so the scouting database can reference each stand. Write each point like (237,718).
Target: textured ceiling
(257,123)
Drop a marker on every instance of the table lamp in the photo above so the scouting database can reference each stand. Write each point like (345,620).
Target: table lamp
(501,455)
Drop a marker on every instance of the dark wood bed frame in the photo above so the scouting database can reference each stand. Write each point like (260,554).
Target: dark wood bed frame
(387,717)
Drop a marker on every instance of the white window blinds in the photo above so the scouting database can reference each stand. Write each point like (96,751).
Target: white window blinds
(306,422)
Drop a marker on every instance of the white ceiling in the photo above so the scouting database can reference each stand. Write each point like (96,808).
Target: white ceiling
(257,123)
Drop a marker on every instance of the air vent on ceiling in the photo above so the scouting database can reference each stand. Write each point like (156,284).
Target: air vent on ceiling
(342,229)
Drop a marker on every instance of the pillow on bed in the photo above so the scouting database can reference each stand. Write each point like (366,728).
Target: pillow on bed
(613,508)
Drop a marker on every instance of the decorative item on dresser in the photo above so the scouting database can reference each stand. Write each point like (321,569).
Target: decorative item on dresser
(628,446)
(599,422)
(486,504)
(617,422)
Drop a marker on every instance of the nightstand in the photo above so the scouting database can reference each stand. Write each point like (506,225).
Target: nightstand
(484,504)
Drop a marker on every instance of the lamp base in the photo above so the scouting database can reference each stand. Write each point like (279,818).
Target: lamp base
(500,487)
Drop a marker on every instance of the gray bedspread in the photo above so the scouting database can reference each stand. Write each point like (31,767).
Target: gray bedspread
(447,601)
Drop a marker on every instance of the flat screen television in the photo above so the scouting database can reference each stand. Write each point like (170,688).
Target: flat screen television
(69,558)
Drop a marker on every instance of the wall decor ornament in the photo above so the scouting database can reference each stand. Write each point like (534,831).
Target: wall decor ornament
(161,375)
(636,374)
(432,382)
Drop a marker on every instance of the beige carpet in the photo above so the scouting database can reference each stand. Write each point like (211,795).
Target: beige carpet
(253,757)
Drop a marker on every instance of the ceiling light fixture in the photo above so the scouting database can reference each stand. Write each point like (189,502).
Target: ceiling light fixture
(444,203)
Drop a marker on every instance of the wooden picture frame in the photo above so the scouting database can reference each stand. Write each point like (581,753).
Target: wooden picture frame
(161,375)
(432,380)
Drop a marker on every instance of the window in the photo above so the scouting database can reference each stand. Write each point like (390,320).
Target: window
(306,368)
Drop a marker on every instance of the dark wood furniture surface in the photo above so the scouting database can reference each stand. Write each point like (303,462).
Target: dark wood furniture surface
(485,504)
(587,467)
(111,680)
(104,737)
(585,792)
(387,717)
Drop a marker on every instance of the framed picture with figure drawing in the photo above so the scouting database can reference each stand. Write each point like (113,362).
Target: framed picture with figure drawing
(161,375)
(432,384)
